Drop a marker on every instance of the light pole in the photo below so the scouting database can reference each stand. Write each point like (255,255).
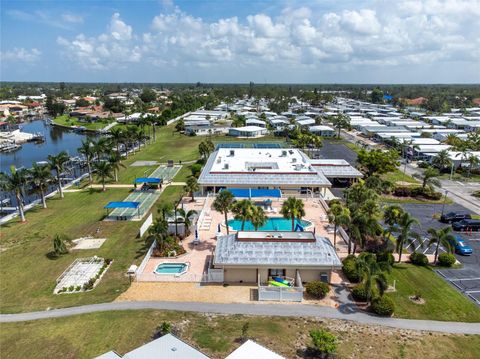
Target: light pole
(444,200)
(451,171)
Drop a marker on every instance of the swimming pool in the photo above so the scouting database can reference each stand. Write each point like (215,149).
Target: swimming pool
(273,224)
(171,268)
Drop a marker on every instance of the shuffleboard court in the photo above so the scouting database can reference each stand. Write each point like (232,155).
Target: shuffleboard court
(165,173)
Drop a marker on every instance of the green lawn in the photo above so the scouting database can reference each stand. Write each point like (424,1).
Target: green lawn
(390,199)
(27,274)
(66,120)
(399,176)
(89,335)
(443,302)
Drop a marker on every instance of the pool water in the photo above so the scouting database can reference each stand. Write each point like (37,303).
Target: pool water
(171,268)
(273,224)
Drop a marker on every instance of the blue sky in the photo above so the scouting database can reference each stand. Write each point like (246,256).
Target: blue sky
(428,41)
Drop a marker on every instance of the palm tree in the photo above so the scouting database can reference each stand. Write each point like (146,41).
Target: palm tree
(429,177)
(57,163)
(392,214)
(88,150)
(101,146)
(158,232)
(117,135)
(15,182)
(165,209)
(293,208)
(442,160)
(339,122)
(115,162)
(339,215)
(191,186)
(41,178)
(372,272)
(442,237)
(258,217)
(407,235)
(362,226)
(187,218)
(242,211)
(103,171)
(223,203)
(473,161)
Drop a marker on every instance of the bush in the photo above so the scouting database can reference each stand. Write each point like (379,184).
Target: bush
(350,269)
(423,164)
(359,293)
(446,259)
(323,341)
(383,306)
(317,289)
(419,259)
(385,257)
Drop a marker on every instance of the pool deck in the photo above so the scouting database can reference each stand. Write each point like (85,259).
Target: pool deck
(198,254)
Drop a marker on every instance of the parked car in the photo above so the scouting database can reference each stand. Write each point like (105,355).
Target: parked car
(461,247)
(467,225)
(454,217)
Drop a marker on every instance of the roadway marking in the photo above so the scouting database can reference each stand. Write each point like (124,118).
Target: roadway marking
(460,183)
(460,279)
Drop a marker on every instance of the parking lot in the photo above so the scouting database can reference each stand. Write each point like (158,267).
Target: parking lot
(465,279)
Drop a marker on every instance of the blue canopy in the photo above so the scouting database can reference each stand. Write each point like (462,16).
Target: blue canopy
(152,180)
(122,205)
(251,192)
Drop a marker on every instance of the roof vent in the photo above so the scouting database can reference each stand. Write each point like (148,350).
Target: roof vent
(232,153)
(173,349)
(294,160)
(284,153)
(225,166)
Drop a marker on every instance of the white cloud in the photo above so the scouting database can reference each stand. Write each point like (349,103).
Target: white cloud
(383,34)
(72,18)
(21,54)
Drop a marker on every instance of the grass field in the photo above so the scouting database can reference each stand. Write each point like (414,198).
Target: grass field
(442,302)
(89,335)
(399,176)
(391,199)
(28,274)
(66,120)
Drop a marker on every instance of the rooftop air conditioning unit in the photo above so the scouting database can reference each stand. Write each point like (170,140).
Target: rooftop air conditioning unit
(294,160)
(284,153)
(225,166)
(232,153)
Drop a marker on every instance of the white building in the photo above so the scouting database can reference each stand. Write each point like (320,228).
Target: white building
(247,131)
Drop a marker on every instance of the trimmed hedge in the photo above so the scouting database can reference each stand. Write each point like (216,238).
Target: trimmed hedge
(427,192)
(446,259)
(383,306)
(359,293)
(350,269)
(419,259)
(317,289)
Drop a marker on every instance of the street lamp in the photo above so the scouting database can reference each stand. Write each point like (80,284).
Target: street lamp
(444,200)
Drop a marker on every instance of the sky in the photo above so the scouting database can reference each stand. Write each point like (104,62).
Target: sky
(315,41)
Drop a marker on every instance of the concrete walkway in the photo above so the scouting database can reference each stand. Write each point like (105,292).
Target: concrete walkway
(346,312)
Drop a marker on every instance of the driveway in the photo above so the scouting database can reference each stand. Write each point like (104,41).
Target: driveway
(465,279)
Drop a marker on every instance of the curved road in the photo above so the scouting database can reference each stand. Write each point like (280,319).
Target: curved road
(345,312)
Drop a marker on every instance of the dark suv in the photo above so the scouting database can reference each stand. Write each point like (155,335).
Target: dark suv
(454,217)
(467,225)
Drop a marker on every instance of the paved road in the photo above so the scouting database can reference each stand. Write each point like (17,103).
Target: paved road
(347,312)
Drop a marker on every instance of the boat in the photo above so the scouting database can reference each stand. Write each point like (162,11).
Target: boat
(7,147)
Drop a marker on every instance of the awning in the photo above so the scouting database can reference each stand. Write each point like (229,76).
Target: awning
(251,192)
(122,205)
(152,180)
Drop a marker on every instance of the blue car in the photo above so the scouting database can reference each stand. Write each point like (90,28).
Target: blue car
(461,247)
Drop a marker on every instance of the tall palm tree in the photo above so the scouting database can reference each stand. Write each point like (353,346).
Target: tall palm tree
(473,161)
(407,235)
(103,171)
(191,186)
(57,163)
(116,163)
(242,211)
(392,214)
(223,203)
(372,273)
(165,209)
(41,178)
(429,177)
(339,215)
(293,208)
(101,147)
(442,160)
(442,236)
(88,150)
(15,182)
(117,135)
(258,217)
(186,218)
(158,232)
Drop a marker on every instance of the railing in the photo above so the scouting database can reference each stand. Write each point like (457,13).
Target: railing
(282,294)
(343,235)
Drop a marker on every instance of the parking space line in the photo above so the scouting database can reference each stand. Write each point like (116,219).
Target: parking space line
(462,279)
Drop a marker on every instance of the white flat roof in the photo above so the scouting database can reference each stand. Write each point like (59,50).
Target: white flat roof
(252,350)
(248,128)
(268,160)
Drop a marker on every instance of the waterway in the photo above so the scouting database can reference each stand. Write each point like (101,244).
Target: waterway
(56,140)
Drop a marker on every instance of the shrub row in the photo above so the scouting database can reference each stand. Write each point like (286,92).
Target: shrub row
(416,191)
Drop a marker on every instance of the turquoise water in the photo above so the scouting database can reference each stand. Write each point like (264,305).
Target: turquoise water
(170,268)
(273,224)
